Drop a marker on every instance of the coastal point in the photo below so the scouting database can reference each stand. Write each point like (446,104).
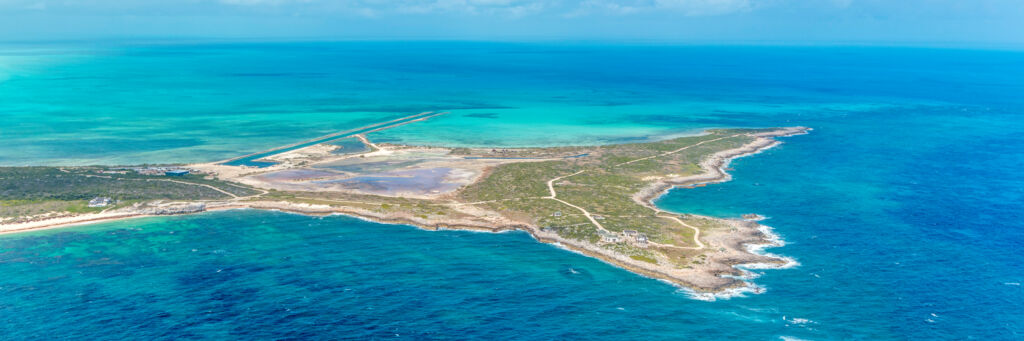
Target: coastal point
(594,200)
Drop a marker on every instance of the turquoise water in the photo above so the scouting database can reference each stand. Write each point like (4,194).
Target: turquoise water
(903,206)
(349,146)
(185,103)
(250,160)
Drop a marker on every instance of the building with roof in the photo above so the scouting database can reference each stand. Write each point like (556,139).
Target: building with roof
(641,240)
(176,172)
(608,237)
(100,202)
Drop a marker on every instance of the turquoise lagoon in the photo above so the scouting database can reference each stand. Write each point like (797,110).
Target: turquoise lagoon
(903,206)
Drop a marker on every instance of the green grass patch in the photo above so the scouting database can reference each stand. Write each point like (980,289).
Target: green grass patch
(643,258)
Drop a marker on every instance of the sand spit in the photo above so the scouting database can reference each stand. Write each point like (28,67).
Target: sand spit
(135,211)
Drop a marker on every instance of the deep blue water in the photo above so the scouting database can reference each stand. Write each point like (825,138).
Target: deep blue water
(903,206)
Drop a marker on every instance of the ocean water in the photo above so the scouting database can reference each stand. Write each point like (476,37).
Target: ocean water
(903,206)
(100,104)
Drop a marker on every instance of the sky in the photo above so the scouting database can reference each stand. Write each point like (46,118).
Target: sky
(882,22)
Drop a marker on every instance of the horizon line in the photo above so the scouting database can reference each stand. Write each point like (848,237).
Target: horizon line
(155,40)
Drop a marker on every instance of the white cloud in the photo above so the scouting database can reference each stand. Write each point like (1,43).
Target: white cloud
(601,6)
(263,2)
(382,8)
(685,7)
(705,7)
(506,8)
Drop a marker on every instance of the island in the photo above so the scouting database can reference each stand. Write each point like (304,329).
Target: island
(594,200)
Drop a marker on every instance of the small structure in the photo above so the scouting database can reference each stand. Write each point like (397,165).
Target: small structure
(176,172)
(100,202)
(557,214)
(147,171)
(151,170)
(174,208)
(610,237)
(635,236)
(598,217)
(641,240)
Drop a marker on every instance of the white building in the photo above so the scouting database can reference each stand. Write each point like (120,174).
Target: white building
(100,202)
(633,235)
(610,237)
(641,240)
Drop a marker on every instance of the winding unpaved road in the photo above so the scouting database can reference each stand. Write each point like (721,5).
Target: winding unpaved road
(658,212)
(696,234)
(551,187)
(677,150)
(232,195)
(696,231)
